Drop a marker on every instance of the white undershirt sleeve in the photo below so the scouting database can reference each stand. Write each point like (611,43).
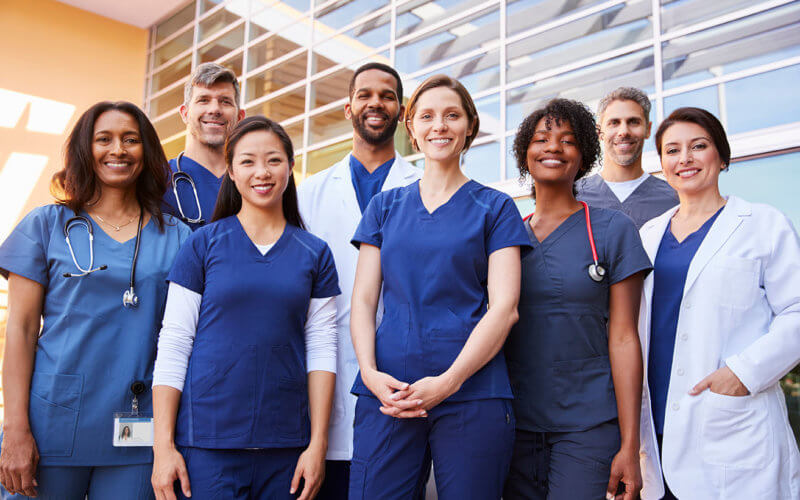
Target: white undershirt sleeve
(177,336)
(321,335)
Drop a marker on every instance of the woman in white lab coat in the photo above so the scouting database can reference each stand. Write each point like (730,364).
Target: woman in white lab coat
(719,326)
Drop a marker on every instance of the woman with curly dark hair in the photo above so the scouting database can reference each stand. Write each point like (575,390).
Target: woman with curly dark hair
(574,358)
(86,289)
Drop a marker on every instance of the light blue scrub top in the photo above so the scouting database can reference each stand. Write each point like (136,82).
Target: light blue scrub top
(207,185)
(435,270)
(246,384)
(650,199)
(91,348)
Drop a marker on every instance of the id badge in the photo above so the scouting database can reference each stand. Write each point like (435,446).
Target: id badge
(132,430)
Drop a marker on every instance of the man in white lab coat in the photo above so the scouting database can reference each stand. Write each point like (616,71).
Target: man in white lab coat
(331,204)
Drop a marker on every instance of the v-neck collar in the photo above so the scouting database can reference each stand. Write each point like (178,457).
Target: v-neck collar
(421,206)
(273,252)
(556,233)
(98,230)
(704,228)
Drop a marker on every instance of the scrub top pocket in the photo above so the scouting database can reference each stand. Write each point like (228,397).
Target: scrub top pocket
(580,385)
(737,431)
(54,406)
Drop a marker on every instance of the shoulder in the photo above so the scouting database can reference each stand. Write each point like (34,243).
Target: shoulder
(173,224)
(588,182)
(47,216)
(762,214)
(313,244)
(487,197)
(614,218)
(393,195)
(660,185)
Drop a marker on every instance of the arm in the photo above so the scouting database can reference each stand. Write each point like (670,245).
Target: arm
(174,348)
(364,305)
(486,339)
(321,339)
(19,456)
(625,356)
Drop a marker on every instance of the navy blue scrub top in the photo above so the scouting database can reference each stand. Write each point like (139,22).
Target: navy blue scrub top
(558,351)
(246,384)
(435,269)
(91,348)
(669,279)
(207,189)
(367,184)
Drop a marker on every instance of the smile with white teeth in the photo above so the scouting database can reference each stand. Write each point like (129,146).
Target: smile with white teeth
(551,162)
(687,173)
(441,141)
(263,188)
(117,165)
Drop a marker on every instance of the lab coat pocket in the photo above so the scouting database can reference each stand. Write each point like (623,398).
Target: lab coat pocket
(736,432)
(736,279)
(54,406)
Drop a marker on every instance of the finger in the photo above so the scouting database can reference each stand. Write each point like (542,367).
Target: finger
(412,414)
(183,477)
(613,485)
(298,473)
(408,404)
(6,484)
(390,411)
(701,386)
(398,395)
(27,485)
(16,482)
(305,493)
(396,384)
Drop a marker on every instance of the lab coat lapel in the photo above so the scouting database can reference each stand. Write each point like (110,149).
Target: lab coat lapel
(652,233)
(729,219)
(344,185)
(401,173)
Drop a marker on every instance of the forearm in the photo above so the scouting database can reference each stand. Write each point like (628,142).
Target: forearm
(626,371)
(362,332)
(166,400)
(17,371)
(321,385)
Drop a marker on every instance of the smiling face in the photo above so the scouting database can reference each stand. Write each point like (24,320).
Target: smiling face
(374,108)
(117,149)
(623,131)
(211,113)
(689,159)
(260,169)
(440,125)
(553,155)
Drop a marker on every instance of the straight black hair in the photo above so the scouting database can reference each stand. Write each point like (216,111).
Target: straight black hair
(229,200)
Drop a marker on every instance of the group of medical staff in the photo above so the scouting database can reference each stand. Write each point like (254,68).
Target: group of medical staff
(347,338)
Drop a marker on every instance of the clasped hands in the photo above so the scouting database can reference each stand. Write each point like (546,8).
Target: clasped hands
(403,400)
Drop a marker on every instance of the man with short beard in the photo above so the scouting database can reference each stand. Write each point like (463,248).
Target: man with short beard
(622,118)
(331,204)
(210,111)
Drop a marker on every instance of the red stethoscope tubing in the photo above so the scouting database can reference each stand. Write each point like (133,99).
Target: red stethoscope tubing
(588,230)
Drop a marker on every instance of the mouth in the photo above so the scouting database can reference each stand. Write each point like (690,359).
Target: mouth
(440,141)
(685,174)
(117,165)
(263,188)
(213,124)
(552,162)
(625,145)
(375,119)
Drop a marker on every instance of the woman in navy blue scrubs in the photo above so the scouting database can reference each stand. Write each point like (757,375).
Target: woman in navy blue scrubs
(574,357)
(432,377)
(247,352)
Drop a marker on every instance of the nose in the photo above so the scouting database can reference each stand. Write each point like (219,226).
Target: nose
(553,145)
(118,147)
(439,123)
(215,107)
(623,129)
(685,156)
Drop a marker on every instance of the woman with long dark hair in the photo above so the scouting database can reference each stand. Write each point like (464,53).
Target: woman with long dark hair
(247,353)
(86,293)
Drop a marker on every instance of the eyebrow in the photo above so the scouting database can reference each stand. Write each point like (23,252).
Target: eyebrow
(369,89)
(126,132)
(245,153)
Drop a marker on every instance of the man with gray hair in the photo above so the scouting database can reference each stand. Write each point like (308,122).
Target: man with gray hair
(210,111)
(622,184)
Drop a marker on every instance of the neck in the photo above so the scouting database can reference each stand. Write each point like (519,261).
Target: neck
(617,173)
(370,155)
(700,204)
(555,200)
(263,225)
(116,202)
(212,159)
(442,176)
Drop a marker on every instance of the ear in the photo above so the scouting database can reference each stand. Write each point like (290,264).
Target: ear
(348,112)
(240,115)
(401,115)
(649,128)
(184,111)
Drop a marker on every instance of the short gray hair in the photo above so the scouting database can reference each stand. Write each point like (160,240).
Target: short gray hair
(624,94)
(207,74)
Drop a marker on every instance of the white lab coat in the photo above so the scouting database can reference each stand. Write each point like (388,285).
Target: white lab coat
(740,307)
(330,210)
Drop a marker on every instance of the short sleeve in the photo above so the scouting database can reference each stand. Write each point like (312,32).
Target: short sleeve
(188,270)
(369,230)
(24,252)
(326,281)
(507,229)
(625,254)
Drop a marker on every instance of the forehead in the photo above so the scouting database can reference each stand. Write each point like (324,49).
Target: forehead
(375,79)
(114,119)
(553,124)
(684,131)
(623,108)
(439,98)
(259,141)
(219,89)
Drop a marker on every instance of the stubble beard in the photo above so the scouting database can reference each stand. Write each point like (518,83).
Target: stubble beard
(371,137)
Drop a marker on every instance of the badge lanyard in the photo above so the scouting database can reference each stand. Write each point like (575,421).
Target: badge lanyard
(133,428)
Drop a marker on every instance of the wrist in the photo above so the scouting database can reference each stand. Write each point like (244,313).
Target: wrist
(11,426)
(163,445)
(629,447)
(318,445)
(452,380)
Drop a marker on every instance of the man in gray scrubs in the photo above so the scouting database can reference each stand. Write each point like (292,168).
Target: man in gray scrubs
(622,184)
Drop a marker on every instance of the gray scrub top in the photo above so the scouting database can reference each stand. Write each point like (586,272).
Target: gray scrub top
(557,353)
(650,199)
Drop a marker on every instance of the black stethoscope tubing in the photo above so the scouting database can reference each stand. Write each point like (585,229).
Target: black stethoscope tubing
(179,175)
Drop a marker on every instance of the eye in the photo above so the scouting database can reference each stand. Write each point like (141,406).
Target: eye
(425,116)
(275,161)
(132,140)
(671,151)
(102,139)
(699,146)
(453,116)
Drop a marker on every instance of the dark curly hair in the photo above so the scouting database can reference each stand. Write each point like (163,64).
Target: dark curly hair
(584,127)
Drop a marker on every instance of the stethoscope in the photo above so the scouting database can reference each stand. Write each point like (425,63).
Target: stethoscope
(596,271)
(181,175)
(129,297)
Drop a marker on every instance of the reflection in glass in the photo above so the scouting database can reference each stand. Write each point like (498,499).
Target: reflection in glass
(175,23)
(479,73)
(167,102)
(277,77)
(763,100)
(328,125)
(231,40)
(489,114)
(523,15)
(482,163)
(282,107)
(326,157)
(677,14)
(705,98)
(172,73)
(219,20)
(295,131)
(169,126)
(336,85)
(268,50)
(340,14)
(178,45)
(352,45)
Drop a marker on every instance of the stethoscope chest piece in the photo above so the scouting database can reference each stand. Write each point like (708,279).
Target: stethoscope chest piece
(129,298)
(597,272)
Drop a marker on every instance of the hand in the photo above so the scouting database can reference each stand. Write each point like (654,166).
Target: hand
(723,381)
(625,469)
(19,458)
(425,393)
(169,466)
(311,468)
(391,392)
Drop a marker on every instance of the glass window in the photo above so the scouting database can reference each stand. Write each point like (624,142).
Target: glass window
(282,107)
(489,114)
(482,163)
(173,147)
(178,45)
(479,73)
(268,50)
(216,49)
(335,86)
(277,77)
(279,17)
(328,125)
(176,71)
(705,98)
(339,14)
(218,21)
(451,41)
(512,172)
(676,14)
(175,23)
(352,45)
(298,5)
(169,126)
(295,131)
(732,46)
(326,157)
(297,170)
(763,100)
(415,16)
(167,102)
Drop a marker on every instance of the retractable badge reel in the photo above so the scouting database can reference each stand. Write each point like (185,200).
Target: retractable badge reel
(133,428)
